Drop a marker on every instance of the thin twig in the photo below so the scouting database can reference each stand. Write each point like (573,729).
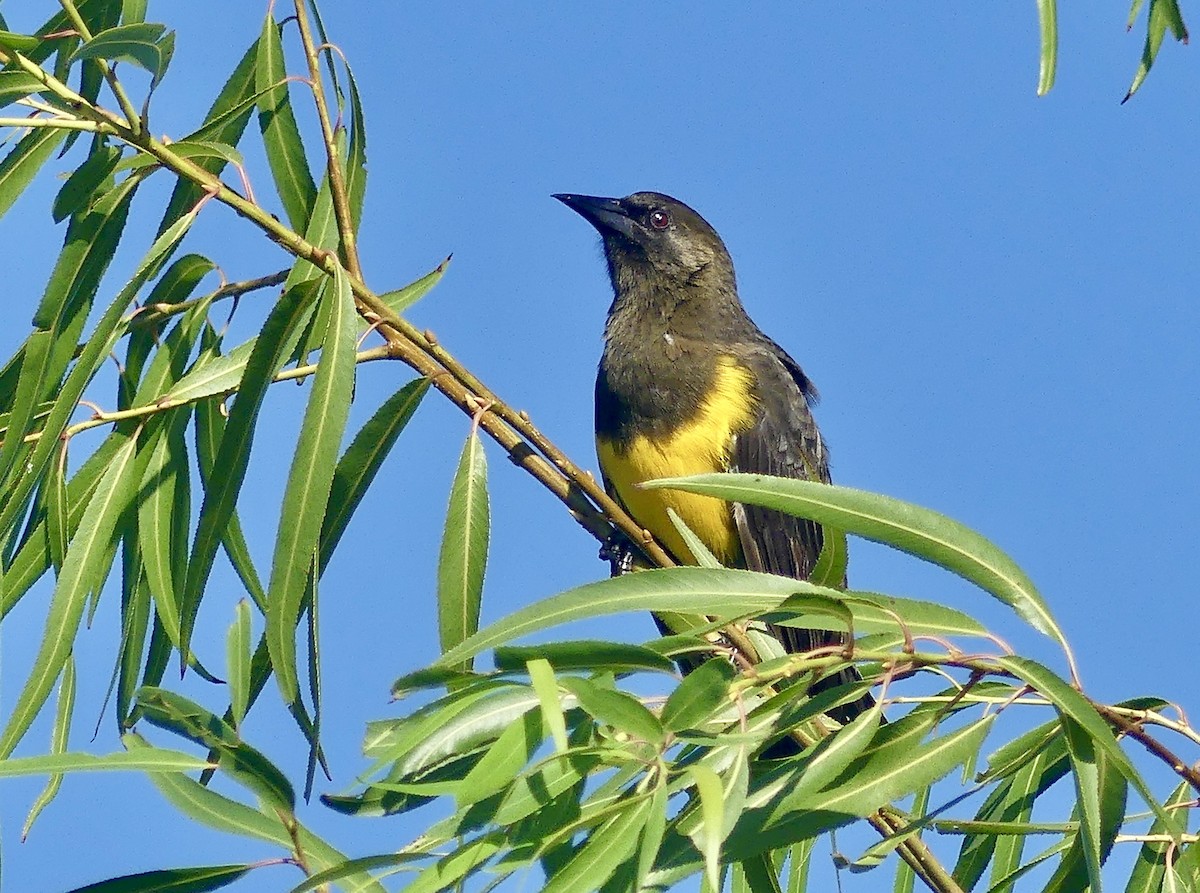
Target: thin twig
(131,115)
(337,179)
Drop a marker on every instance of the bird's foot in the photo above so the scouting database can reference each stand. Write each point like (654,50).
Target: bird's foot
(619,553)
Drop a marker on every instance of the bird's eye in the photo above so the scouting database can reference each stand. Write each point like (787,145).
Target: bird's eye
(660,219)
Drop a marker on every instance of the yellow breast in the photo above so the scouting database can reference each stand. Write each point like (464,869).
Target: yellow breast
(699,446)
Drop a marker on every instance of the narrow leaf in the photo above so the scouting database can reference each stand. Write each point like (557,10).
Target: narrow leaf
(546,688)
(81,573)
(309,483)
(243,763)
(362,460)
(902,525)
(21,165)
(58,744)
(237,650)
(463,557)
(699,696)
(403,298)
(281,134)
(233,455)
(618,709)
(1070,703)
(171,880)
(1048,57)
(712,811)
(87,179)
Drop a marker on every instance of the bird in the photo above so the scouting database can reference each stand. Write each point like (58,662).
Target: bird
(688,384)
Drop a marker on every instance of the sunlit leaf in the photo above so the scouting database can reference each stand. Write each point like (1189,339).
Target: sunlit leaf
(403,298)
(58,744)
(309,483)
(463,557)
(905,526)
(281,133)
(233,455)
(242,762)
(82,572)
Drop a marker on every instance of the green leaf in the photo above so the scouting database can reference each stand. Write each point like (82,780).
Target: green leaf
(1072,704)
(233,455)
(589,654)
(148,760)
(214,374)
(281,134)
(83,571)
(171,880)
(893,772)
(84,183)
(603,851)
(556,776)
(463,557)
(36,363)
(58,744)
(902,525)
(21,165)
(193,150)
(33,558)
(1012,801)
(357,467)
(449,728)
(830,567)
(17,85)
(133,11)
(145,44)
(209,428)
(354,866)
(701,553)
(166,460)
(95,351)
(449,870)
(618,709)
(135,621)
(1150,870)
(1164,14)
(309,484)
(225,122)
(699,696)
(217,811)
(403,298)
(545,686)
(724,592)
(1048,58)
(22,43)
(1084,762)
(356,155)
(243,763)
(237,650)
(789,788)
(502,762)
(712,811)
(799,858)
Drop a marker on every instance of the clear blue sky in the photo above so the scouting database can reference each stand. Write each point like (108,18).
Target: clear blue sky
(995,294)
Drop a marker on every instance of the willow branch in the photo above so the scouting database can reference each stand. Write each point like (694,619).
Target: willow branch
(127,108)
(57,124)
(337,179)
(151,314)
(104,417)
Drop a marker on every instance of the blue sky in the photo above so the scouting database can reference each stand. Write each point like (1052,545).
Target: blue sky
(994,293)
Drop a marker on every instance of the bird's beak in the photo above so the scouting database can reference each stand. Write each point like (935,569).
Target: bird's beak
(608,215)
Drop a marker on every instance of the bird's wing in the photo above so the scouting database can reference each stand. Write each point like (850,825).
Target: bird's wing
(785,442)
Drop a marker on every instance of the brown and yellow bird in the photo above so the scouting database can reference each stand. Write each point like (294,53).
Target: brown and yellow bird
(688,384)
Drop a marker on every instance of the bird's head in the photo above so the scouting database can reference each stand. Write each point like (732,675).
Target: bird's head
(651,237)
